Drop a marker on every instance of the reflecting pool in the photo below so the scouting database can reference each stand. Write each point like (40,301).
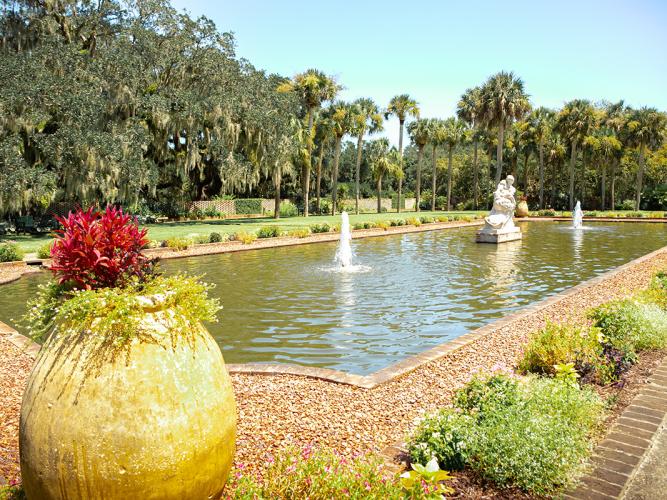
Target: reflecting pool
(404,294)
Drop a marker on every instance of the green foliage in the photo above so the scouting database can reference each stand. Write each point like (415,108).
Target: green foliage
(299,233)
(12,492)
(534,433)
(200,239)
(549,212)
(216,238)
(245,237)
(413,221)
(320,228)
(44,251)
(248,206)
(10,252)
(268,232)
(566,372)
(321,474)
(116,313)
(631,325)
(178,243)
(427,476)
(288,209)
(560,344)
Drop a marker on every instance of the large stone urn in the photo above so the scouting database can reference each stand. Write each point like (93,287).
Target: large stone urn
(153,418)
(522,209)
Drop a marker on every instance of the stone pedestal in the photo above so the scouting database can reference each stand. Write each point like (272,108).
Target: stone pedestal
(498,235)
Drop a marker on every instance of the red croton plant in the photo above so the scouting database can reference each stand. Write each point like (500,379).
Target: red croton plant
(99,249)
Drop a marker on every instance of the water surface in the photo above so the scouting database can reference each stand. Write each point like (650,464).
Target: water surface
(409,292)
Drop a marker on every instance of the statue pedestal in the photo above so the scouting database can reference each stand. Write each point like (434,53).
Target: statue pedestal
(498,235)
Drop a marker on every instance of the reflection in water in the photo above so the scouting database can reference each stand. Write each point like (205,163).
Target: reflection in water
(405,293)
(501,264)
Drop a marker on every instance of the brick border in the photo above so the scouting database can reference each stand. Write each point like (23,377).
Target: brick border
(618,457)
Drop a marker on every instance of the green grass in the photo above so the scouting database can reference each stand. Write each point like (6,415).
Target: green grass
(167,230)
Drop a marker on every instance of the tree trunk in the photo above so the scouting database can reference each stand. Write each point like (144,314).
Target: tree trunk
(573,159)
(420,156)
(499,153)
(400,164)
(319,179)
(541,155)
(334,194)
(603,194)
(640,177)
(379,189)
(305,171)
(278,177)
(475,175)
(360,140)
(449,179)
(433,184)
(525,173)
(613,185)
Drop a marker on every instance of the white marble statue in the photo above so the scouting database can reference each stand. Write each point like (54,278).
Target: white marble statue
(502,213)
(499,227)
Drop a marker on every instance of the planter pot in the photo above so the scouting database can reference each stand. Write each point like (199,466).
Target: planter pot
(521,209)
(155,418)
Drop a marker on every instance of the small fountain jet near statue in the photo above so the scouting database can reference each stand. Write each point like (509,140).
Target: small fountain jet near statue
(577,216)
(499,227)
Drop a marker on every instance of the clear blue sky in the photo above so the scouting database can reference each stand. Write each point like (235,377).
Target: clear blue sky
(434,50)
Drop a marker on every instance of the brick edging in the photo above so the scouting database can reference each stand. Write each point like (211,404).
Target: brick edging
(619,456)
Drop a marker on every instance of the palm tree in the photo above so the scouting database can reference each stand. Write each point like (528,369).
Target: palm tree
(366,118)
(313,88)
(419,133)
(454,134)
(615,118)
(502,101)
(324,133)
(542,122)
(603,146)
(645,129)
(384,161)
(555,152)
(468,110)
(340,113)
(401,106)
(436,137)
(574,123)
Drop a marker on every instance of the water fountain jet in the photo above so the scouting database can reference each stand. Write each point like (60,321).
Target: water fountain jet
(344,252)
(577,216)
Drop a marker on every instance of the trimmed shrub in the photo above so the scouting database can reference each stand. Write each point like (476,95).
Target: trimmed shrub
(299,233)
(179,243)
(200,239)
(245,237)
(288,209)
(44,252)
(548,212)
(382,225)
(215,238)
(413,221)
(268,232)
(248,206)
(320,228)
(10,251)
(533,434)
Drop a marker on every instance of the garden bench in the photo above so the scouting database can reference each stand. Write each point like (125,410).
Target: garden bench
(25,224)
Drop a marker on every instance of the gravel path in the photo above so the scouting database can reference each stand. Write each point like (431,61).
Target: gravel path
(278,410)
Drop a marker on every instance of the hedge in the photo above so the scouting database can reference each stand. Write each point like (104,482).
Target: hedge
(248,206)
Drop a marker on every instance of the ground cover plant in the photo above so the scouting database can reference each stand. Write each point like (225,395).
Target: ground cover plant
(10,251)
(323,474)
(533,433)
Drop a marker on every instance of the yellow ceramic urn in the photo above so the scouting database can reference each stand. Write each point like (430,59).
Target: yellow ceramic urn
(154,418)
(521,209)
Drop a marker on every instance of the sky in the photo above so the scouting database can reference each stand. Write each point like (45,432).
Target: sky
(435,50)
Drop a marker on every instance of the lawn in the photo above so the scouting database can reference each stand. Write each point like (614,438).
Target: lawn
(159,232)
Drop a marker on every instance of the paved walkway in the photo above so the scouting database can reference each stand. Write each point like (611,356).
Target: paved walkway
(631,462)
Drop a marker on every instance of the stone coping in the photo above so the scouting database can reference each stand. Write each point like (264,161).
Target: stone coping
(592,219)
(619,456)
(399,368)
